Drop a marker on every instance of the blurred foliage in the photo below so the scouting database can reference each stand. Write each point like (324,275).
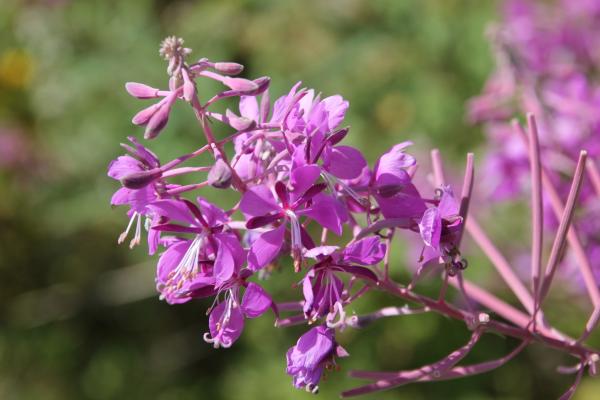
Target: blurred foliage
(78,315)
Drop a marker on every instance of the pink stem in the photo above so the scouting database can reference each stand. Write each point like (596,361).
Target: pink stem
(467,190)
(563,227)
(186,188)
(360,321)
(549,337)
(438,168)
(184,170)
(571,391)
(537,217)
(557,206)
(434,370)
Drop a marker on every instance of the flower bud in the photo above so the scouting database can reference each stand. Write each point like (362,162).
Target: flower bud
(157,123)
(138,180)
(262,83)
(189,89)
(240,84)
(338,136)
(140,90)
(229,68)
(142,117)
(239,123)
(219,175)
(160,118)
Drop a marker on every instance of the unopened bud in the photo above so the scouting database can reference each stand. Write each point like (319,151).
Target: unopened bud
(229,68)
(157,123)
(240,84)
(141,91)
(219,175)
(142,117)
(189,89)
(160,118)
(262,83)
(239,123)
(138,180)
(338,136)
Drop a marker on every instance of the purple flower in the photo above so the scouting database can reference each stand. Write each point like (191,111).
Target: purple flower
(314,351)
(305,199)
(439,228)
(323,288)
(391,183)
(140,172)
(209,260)
(226,320)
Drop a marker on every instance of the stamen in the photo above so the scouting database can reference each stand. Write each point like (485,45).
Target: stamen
(332,181)
(338,310)
(125,233)
(138,233)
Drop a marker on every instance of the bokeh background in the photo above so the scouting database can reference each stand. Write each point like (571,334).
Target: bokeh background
(79,317)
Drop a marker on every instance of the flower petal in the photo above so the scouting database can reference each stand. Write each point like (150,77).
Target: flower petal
(368,251)
(255,301)
(258,200)
(265,248)
(345,162)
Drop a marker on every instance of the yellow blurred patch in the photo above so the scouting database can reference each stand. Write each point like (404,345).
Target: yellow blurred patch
(16,68)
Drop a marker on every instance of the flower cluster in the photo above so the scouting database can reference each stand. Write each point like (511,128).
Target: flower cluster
(547,62)
(303,199)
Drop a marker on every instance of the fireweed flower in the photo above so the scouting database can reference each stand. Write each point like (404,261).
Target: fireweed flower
(439,228)
(314,352)
(226,320)
(296,183)
(305,199)
(139,172)
(210,259)
(323,288)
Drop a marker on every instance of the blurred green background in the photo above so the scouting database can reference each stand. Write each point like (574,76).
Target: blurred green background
(79,318)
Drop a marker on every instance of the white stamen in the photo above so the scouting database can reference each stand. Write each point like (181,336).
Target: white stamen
(296,231)
(332,181)
(338,309)
(123,235)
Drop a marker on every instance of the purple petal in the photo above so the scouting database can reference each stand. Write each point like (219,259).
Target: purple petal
(431,227)
(448,205)
(328,212)
(360,272)
(258,200)
(212,214)
(265,248)
(368,251)
(249,107)
(123,166)
(226,330)
(302,178)
(315,252)
(336,108)
(255,301)
(345,162)
(174,210)
(224,263)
